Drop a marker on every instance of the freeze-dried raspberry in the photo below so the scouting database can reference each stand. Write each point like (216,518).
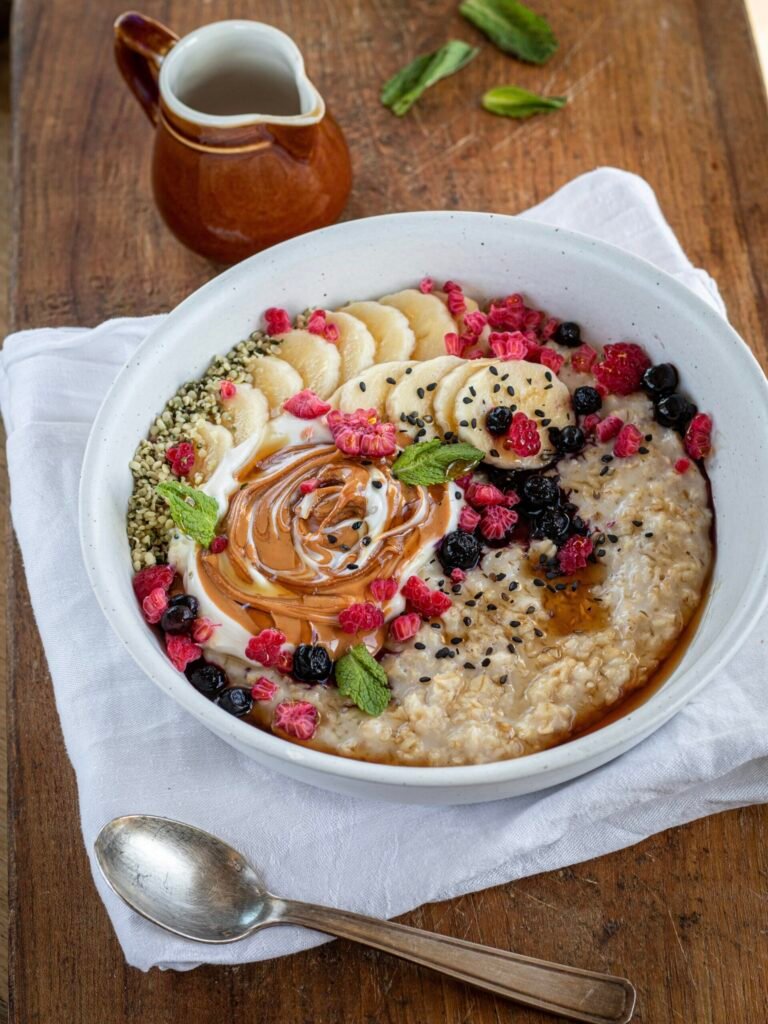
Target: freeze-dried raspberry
(316,323)
(263,689)
(497,521)
(628,442)
(227,389)
(456,302)
(361,618)
(468,519)
(284,662)
(405,626)
(306,405)
(182,650)
(181,458)
(698,436)
(307,486)
(297,718)
(583,358)
(464,481)
(383,590)
(218,544)
(574,554)
(426,285)
(265,646)
(589,423)
(331,333)
(428,603)
(276,321)
(480,495)
(682,466)
(474,323)
(454,344)
(154,605)
(523,436)
(508,346)
(146,580)
(622,367)
(551,359)
(548,328)
(451,286)
(457,575)
(203,630)
(361,433)
(511,498)
(608,428)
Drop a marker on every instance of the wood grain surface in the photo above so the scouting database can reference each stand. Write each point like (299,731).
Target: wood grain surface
(667,88)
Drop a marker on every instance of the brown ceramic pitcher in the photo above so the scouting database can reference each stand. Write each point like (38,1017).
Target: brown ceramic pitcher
(245,153)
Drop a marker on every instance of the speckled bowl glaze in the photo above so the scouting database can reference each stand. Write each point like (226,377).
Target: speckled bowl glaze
(614,296)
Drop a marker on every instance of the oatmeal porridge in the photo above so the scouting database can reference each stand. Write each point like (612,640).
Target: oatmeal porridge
(421,532)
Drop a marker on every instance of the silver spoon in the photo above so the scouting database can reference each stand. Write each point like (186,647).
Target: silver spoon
(195,885)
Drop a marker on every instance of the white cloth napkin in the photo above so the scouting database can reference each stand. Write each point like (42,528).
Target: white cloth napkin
(134,750)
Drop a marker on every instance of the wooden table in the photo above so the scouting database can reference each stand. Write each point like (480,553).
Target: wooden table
(668,88)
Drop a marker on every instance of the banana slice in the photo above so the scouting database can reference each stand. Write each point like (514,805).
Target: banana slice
(316,360)
(429,319)
(522,387)
(371,388)
(393,336)
(276,378)
(356,344)
(246,413)
(409,405)
(212,442)
(444,398)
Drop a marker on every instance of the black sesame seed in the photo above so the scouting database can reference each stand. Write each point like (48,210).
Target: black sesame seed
(409,370)
(431,387)
(503,679)
(637,522)
(455,640)
(424,679)
(467,621)
(514,623)
(494,453)
(491,607)
(377,484)
(435,625)
(649,534)
(391,380)
(420,646)
(366,541)
(511,648)
(456,588)
(467,400)
(538,632)
(468,664)
(606,458)
(530,610)
(538,412)
(649,437)
(538,583)
(493,370)
(514,585)
(332,538)
(604,470)
(643,450)
(510,391)
(420,392)
(357,525)
(489,650)
(361,385)
(517,639)
(485,662)
(442,653)
(613,538)
(352,566)
(472,391)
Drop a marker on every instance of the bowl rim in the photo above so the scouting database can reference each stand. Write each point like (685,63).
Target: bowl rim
(592,748)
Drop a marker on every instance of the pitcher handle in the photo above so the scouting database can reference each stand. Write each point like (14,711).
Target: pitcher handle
(141,43)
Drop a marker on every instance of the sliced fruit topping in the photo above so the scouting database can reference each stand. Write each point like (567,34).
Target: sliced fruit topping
(390,329)
(373,386)
(356,344)
(410,402)
(297,718)
(245,413)
(428,318)
(317,363)
(213,441)
(277,379)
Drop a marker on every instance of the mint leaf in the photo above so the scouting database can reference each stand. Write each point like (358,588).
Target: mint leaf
(513,27)
(361,678)
(194,512)
(512,101)
(435,462)
(404,88)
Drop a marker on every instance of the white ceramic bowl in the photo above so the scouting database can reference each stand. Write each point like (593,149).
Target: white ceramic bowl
(613,295)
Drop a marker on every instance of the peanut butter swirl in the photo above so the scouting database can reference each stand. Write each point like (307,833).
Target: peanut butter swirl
(298,556)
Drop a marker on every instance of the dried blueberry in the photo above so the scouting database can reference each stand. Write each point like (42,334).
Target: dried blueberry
(498,420)
(207,678)
(553,523)
(539,492)
(184,599)
(459,550)
(312,663)
(659,380)
(237,702)
(568,333)
(586,400)
(569,440)
(674,411)
(177,618)
(505,479)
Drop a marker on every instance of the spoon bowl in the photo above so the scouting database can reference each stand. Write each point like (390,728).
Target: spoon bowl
(195,885)
(182,878)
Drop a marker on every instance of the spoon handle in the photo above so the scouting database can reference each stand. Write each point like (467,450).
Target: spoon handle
(568,991)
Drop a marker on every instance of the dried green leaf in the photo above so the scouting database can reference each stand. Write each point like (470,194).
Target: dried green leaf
(512,101)
(513,27)
(404,88)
